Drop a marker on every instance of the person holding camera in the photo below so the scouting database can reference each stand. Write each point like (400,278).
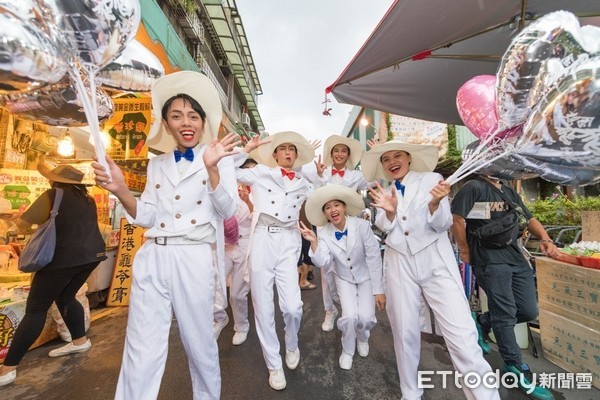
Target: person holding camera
(499,265)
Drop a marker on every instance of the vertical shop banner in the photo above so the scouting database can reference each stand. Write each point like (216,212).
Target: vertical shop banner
(128,128)
(131,239)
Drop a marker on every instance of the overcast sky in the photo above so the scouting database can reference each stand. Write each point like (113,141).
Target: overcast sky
(299,48)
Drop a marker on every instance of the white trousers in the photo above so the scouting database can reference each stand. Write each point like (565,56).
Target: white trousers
(235,271)
(169,279)
(358,313)
(273,260)
(328,288)
(407,278)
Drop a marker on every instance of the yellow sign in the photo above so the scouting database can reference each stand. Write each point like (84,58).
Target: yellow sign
(128,128)
(131,239)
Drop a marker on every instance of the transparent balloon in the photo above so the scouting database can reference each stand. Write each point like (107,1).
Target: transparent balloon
(29,58)
(136,69)
(564,127)
(55,105)
(97,31)
(525,70)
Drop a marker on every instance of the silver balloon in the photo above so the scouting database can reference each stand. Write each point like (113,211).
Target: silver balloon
(97,30)
(55,105)
(507,167)
(136,69)
(28,57)
(561,174)
(564,127)
(525,72)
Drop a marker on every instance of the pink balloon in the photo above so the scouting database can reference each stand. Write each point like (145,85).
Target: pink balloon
(476,104)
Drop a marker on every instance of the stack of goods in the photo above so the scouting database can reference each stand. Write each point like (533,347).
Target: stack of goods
(585,253)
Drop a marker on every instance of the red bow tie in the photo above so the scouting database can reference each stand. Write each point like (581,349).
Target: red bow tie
(340,172)
(290,174)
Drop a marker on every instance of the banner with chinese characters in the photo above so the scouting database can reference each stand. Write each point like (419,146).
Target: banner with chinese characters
(131,239)
(128,128)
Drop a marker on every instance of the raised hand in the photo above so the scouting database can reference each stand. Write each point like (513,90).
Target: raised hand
(307,233)
(386,200)
(217,149)
(320,167)
(255,142)
(315,143)
(373,143)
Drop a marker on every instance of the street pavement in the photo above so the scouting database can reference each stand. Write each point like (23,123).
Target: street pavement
(93,375)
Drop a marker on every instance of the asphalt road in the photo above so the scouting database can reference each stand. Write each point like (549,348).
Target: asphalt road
(93,375)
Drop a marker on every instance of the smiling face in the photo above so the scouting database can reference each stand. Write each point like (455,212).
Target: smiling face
(335,212)
(185,124)
(285,154)
(339,155)
(395,163)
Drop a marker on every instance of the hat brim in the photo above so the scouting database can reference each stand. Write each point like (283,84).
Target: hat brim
(196,85)
(424,158)
(305,151)
(45,168)
(317,199)
(353,145)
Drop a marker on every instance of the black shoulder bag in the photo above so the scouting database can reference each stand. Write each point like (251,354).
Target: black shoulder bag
(500,232)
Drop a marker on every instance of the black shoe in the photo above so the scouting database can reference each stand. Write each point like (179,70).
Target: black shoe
(310,276)
(526,382)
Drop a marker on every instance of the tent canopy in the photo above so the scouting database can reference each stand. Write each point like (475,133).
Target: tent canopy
(422,51)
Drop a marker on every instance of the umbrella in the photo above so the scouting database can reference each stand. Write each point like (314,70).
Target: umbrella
(422,51)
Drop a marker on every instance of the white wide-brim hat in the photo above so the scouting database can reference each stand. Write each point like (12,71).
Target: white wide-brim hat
(317,199)
(200,88)
(424,158)
(305,151)
(353,145)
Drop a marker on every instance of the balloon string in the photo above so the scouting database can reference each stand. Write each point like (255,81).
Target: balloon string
(89,102)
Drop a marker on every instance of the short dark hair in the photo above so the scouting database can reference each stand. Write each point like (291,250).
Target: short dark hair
(187,99)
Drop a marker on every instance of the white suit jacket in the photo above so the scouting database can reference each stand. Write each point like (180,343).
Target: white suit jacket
(359,262)
(174,206)
(414,229)
(270,195)
(352,178)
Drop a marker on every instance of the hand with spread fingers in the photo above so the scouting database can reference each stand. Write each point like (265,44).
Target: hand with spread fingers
(383,199)
(316,143)
(372,143)
(217,149)
(255,142)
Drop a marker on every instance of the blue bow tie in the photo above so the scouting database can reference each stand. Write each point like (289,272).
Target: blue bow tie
(188,155)
(400,187)
(339,235)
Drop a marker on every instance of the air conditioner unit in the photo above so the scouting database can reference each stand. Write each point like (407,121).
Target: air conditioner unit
(245,119)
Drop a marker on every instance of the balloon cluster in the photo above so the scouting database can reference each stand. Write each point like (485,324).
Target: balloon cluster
(540,114)
(58,56)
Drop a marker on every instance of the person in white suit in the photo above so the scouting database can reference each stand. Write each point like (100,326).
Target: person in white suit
(419,262)
(350,244)
(278,193)
(340,156)
(190,190)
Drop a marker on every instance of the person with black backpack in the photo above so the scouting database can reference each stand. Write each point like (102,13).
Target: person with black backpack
(486,219)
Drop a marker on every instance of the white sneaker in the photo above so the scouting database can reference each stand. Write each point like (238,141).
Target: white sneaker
(8,378)
(345,361)
(292,358)
(219,325)
(362,348)
(277,379)
(329,321)
(239,338)
(70,348)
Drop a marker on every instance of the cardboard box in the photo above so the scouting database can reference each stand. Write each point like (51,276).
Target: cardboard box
(570,291)
(570,345)
(590,224)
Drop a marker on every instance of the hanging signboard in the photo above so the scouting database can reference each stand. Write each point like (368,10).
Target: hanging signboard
(131,239)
